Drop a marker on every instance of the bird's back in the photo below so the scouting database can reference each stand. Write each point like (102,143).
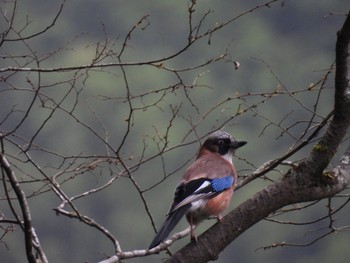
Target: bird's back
(209,165)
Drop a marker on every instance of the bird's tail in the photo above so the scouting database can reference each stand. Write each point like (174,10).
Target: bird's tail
(168,225)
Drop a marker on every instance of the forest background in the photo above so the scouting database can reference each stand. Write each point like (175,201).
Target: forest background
(257,77)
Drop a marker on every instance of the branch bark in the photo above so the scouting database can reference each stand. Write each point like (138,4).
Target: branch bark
(307,182)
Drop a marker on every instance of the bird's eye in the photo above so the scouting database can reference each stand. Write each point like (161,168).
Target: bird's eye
(221,141)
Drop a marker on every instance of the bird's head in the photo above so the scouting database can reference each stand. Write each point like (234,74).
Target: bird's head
(222,143)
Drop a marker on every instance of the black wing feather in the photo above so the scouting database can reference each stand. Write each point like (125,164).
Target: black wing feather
(184,190)
(168,225)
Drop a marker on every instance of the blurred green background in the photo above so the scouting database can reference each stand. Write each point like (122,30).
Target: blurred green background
(290,43)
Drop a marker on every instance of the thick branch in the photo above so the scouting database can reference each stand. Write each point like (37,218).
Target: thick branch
(298,185)
(328,145)
(291,189)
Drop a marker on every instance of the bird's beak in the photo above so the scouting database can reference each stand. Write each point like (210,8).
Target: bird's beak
(237,144)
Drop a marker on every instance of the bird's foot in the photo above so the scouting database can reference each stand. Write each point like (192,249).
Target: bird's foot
(193,237)
(219,218)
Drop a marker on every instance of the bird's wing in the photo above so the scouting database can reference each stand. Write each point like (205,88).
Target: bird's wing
(201,188)
(185,195)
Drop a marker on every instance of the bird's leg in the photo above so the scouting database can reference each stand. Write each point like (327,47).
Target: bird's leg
(193,234)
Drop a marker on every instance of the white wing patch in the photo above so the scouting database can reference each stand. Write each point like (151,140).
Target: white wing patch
(193,198)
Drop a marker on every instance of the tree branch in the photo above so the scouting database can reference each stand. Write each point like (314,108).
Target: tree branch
(31,239)
(325,149)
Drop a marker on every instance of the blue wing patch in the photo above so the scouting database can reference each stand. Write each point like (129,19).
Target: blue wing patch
(220,184)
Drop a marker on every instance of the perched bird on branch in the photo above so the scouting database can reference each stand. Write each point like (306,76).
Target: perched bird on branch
(206,187)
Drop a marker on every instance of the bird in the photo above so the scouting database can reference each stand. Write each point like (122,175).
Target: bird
(206,187)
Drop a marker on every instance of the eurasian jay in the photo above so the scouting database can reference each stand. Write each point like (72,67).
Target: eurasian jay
(206,187)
